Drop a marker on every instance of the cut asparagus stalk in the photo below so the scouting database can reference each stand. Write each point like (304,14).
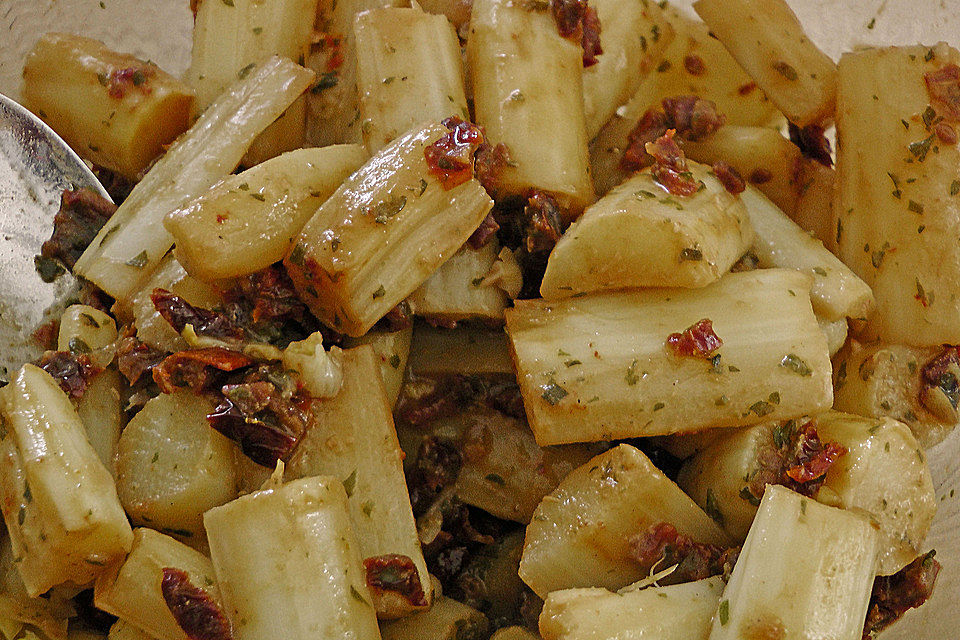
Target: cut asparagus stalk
(635,35)
(62,513)
(466,350)
(761,155)
(598,367)
(333,104)
(638,235)
(721,473)
(392,349)
(504,472)
(171,466)
(131,590)
(884,475)
(409,72)
(677,612)
(580,534)
(459,289)
(768,41)
(813,210)
(288,565)
(354,439)
(447,619)
(806,571)
(84,329)
(246,222)
(896,185)
(129,247)
(886,380)
(101,412)
(110,107)
(835,332)
(152,329)
(525,79)
(382,234)
(17,609)
(694,63)
(837,292)
(229,38)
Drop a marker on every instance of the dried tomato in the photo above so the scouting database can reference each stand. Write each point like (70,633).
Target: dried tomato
(670,166)
(395,574)
(729,177)
(195,610)
(943,87)
(450,158)
(81,215)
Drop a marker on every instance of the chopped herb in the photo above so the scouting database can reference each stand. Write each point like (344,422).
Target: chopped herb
(516,96)
(713,509)
(21,516)
(631,377)
(229,3)
(724,612)
(334,244)
(367,507)
(820,271)
(663,66)
(379,293)
(896,186)
(48,268)
(573,363)
(553,393)
(721,401)
(356,594)
(922,294)
(872,23)
(89,321)
(423,186)
(243,186)
(761,408)
(643,194)
(657,406)
(915,206)
(793,362)
(257,31)
(873,430)
(258,196)
(733,369)
(928,116)
(955,187)
(495,478)
(385,210)
(746,494)
(906,125)
(929,56)
(78,346)
(139,261)
(156,456)
(27,494)
(243,73)
(803,506)
(785,70)
(395,361)
(921,148)
(774,398)
(655,32)
(350,483)
(297,255)
(326,81)
(691,254)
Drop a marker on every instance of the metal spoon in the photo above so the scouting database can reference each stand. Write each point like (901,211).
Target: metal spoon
(36,166)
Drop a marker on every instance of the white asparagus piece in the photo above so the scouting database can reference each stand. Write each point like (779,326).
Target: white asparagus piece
(409,71)
(598,367)
(353,438)
(246,222)
(676,612)
(382,233)
(131,590)
(526,79)
(837,292)
(768,41)
(639,235)
(805,571)
(896,204)
(288,564)
(62,512)
(110,107)
(580,534)
(129,247)
(392,349)
(459,289)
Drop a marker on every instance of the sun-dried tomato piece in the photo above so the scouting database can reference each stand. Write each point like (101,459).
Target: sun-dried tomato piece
(670,166)
(195,610)
(450,158)
(729,177)
(484,233)
(590,41)
(393,575)
(134,358)
(693,117)
(120,81)
(544,222)
(812,142)
(489,164)
(82,213)
(895,595)
(694,65)
(73,372)
(266,413)
(47,334)
(698,340)
(651,126)
(661,547)
(796,458)
(197,369)
(812,457)
(179,313)
(943,87)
